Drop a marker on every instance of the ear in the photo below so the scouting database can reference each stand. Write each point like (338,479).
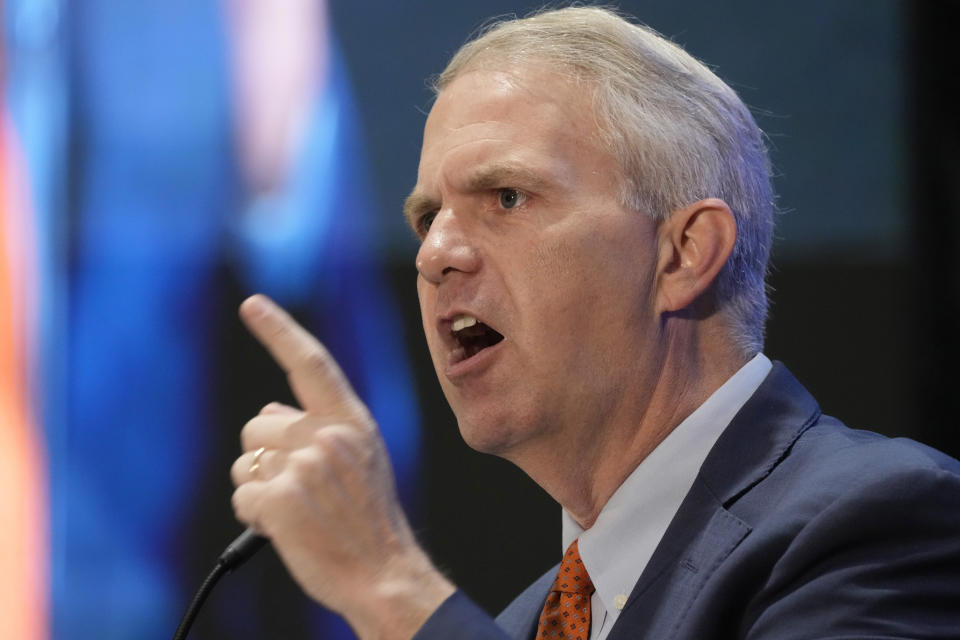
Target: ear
(694,244)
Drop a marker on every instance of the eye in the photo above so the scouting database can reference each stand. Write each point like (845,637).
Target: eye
(511,198)
(423,225)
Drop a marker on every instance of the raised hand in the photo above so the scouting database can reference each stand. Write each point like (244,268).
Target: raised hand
(318,482)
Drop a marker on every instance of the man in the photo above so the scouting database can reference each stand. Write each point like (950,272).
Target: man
(595,214)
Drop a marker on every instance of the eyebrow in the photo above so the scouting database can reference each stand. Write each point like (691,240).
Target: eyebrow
(504,174)
(501,174)
(416,205)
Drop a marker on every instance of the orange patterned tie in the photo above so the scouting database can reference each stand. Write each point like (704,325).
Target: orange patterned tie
(566,613)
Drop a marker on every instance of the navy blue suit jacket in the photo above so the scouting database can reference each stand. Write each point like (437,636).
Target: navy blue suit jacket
(795,527)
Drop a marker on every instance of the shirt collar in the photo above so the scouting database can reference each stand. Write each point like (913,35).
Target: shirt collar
(616,549)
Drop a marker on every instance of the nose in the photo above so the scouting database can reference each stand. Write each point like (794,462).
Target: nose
(447,248)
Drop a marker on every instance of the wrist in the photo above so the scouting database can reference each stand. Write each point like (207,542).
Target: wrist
(401,599)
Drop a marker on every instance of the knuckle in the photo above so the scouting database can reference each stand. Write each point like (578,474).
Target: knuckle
(278,331)
(286,431)
(330,439)
(236,471)
(315,361)
(279,408)
(270,407)
(248,432)
(240,505)
(325,437)
(344,447)
(280,493)
(291,428)
(305,462)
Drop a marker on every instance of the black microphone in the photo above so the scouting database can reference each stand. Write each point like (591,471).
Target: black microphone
(236,553)
(241,549)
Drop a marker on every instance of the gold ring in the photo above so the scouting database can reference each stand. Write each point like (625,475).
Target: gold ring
(255,464)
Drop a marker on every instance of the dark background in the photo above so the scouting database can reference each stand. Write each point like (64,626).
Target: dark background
(854,97)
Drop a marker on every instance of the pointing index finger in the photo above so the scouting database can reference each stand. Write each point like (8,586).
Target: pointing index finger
(314,376)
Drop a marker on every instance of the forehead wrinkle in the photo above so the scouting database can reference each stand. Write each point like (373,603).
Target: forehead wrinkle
(446,135)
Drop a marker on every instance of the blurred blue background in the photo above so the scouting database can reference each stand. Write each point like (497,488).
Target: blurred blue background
(181,155)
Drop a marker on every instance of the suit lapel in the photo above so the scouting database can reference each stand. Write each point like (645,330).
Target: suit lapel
(701,536)
(520,617)
(759,436)
(703,533)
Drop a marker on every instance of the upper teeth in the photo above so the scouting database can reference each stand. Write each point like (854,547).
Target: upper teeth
(462,322)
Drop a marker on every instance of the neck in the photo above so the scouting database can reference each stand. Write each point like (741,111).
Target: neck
(672,385)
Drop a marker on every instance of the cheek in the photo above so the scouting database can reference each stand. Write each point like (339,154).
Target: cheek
(584,280)
(420,297)
(572,274)
(425,295)
(427,312)
(558,270)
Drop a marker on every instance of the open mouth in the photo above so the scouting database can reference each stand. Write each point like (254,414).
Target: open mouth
(472,337)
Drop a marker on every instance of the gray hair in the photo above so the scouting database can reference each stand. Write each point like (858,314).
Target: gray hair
(680,133)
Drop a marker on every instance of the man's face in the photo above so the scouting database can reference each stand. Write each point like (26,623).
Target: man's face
(523,232)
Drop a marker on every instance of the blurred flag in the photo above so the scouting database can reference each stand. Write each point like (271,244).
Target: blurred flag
(159,169)
(23,535)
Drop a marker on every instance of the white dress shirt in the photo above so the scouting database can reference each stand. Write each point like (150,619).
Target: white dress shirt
(618,546)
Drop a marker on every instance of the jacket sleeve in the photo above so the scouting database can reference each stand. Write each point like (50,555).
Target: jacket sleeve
(459,617)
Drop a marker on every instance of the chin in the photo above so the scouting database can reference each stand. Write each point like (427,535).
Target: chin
(486,436)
